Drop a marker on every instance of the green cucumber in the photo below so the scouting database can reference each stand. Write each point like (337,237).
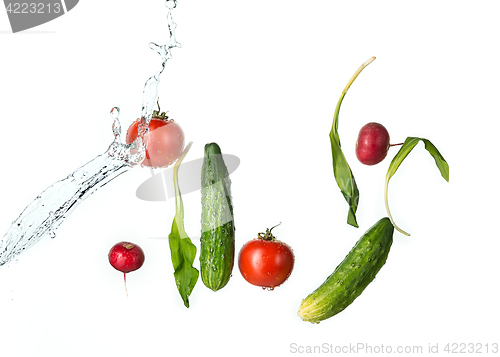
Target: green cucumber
(217,224)
(351,276)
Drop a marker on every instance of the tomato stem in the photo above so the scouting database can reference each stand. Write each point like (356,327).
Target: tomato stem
(157,114)
(268,235)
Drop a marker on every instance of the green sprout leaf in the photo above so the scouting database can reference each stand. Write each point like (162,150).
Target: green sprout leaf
(182,250)
(341,170)
(407,147)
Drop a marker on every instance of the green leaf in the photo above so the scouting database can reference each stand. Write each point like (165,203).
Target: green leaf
(182,250)
(341,170)
(345,180)
(407,147)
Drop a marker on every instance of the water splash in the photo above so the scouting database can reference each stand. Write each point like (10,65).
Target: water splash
(150,93)
(49,209)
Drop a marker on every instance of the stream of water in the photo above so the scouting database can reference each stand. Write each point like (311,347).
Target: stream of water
(51,207)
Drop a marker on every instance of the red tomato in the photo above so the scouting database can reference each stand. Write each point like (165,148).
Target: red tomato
(165,141)
(266,261)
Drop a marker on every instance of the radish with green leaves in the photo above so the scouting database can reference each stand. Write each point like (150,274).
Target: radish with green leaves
(370,253)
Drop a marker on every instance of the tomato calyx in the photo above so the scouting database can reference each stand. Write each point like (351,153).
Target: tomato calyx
(268,235)
(158,114)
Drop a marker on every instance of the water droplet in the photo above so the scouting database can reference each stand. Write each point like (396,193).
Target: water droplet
(171,4)
(115,112)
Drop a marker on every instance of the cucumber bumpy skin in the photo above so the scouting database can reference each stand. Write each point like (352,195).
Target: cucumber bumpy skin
(217,224)
(351,276)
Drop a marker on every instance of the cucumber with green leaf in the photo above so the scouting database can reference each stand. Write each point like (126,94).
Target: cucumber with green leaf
(351,276)
(218,231)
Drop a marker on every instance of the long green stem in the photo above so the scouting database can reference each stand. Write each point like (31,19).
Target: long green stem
(179,207)
(354,76)
(387,207)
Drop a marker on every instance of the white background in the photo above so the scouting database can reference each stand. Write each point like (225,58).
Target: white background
(262,80)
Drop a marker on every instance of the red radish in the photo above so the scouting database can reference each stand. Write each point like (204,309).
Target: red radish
(126,257)
(373,144)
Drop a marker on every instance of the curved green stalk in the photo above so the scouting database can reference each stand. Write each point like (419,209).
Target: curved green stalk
(388,210)
(342,171)
(335,124)
(405,149)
